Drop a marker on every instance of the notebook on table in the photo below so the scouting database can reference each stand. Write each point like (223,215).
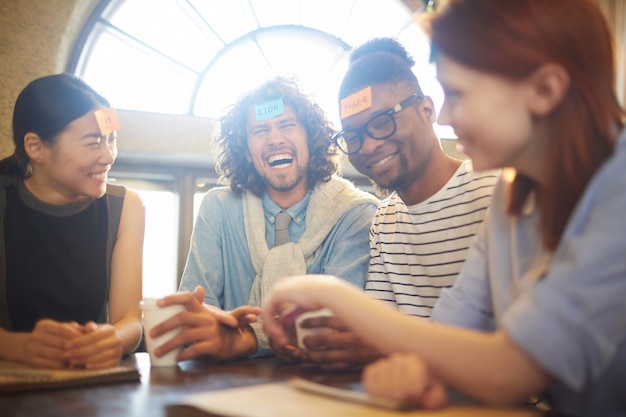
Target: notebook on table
(16,377)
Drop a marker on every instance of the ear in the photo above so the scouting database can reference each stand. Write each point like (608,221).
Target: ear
(427,108)
(548,86)
(35,148)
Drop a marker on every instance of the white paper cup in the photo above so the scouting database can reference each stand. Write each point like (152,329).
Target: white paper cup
(152,316)
(301,332)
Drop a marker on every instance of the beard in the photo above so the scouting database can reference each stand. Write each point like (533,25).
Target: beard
(404,177)
(285,183)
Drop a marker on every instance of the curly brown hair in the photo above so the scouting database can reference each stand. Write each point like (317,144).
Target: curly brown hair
(232,143)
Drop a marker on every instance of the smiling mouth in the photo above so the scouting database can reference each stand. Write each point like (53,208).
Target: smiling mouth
(382,161)
(99,175)
(280,160)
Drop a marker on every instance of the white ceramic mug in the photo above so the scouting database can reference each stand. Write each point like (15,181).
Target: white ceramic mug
(301,332)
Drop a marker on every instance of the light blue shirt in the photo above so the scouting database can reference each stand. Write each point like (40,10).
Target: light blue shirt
(219,259)
(567,310)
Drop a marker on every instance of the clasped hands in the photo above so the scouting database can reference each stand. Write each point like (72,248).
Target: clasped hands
(57,345)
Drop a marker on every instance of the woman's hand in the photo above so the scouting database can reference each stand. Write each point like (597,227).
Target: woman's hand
(288,352)
(292,296)
(338,348)
(404,377)
(44,347)
(98,347)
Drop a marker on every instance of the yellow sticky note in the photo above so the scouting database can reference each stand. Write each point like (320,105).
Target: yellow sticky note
(356,103)
(107,121)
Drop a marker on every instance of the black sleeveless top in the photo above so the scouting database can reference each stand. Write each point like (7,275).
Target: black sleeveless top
(57,258)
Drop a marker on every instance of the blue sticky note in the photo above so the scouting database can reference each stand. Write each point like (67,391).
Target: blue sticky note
(269,109)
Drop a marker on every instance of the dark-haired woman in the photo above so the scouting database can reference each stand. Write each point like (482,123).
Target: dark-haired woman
(70,243)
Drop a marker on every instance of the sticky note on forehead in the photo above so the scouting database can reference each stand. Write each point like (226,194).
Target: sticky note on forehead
(356,103)
(269,109)
(107,121)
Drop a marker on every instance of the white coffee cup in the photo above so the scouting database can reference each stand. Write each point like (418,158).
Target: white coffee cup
(301,332)
(152,316)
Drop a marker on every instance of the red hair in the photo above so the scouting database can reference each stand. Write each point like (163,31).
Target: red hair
(513,38)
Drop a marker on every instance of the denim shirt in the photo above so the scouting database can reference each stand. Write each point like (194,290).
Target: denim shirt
(566,310)
(220,262)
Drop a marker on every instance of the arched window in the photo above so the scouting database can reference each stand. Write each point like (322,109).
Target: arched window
(193,58)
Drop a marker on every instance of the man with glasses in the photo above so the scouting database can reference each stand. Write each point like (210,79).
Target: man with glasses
(423,228)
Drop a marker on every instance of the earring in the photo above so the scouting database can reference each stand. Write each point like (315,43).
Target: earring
(29,170)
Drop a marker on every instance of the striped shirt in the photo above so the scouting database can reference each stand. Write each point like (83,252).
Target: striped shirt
(417,251)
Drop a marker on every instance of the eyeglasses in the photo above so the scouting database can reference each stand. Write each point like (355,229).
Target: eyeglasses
(380,127)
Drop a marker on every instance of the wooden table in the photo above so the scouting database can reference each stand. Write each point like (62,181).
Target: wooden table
(161,387)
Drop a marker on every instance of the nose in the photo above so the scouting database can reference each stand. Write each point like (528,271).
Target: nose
(275,136)
(444,115)
(108,152)
(369,145)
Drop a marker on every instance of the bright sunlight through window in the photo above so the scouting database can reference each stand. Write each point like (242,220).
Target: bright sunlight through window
(195,57)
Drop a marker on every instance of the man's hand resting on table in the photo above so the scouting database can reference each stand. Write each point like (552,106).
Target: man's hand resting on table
(208,330)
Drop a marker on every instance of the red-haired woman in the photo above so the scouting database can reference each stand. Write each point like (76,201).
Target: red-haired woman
(539,306)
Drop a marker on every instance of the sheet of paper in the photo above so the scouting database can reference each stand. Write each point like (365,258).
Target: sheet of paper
(346,394)
(280,399)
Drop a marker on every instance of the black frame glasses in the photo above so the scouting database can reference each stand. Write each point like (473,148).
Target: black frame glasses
(380,127)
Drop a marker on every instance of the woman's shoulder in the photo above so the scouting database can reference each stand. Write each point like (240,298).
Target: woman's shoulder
(122,199)
(116,190)
(609,182)
(123,193)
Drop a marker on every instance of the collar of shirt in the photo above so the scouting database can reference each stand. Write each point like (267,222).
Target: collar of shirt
(297,213)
